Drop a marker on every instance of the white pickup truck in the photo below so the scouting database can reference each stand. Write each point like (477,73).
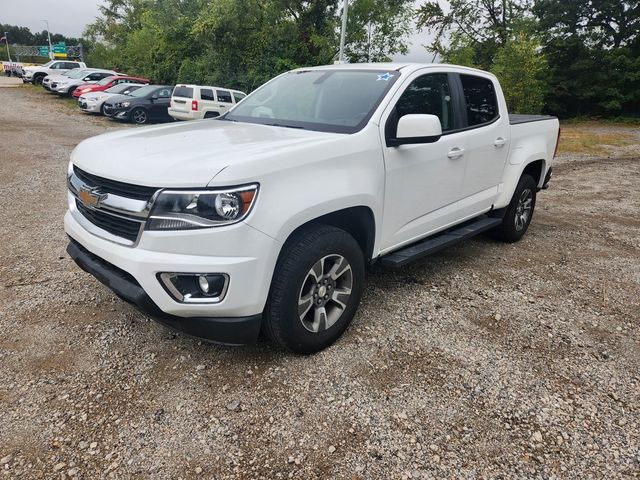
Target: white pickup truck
(264,219)
(36,74)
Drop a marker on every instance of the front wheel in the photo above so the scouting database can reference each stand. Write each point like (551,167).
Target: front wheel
(519,213)
(139,116)
(316,289)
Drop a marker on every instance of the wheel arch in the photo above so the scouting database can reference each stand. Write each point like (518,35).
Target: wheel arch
(535,166)
(358,221)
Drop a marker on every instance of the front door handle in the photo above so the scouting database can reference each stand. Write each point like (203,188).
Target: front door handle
(455,153)
(500,142)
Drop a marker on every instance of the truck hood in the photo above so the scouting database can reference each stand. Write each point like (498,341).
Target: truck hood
(188,154)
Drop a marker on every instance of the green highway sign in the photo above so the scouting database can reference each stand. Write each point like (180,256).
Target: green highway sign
(44,51)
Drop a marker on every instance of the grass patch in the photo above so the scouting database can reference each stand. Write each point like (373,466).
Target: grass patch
(583,138)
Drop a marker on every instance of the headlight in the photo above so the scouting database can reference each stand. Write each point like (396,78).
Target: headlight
(123,104)
(187,210)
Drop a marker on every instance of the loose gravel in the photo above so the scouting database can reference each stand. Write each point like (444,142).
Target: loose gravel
(486,361)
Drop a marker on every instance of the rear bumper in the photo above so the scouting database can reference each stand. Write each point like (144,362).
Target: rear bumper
(226,330)
(179,115)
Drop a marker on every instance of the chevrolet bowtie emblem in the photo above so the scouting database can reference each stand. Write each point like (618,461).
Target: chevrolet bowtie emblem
(91,197)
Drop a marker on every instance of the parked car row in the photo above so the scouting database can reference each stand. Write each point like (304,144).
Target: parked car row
(127,98)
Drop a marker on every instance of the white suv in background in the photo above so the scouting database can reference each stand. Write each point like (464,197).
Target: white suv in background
(195,102)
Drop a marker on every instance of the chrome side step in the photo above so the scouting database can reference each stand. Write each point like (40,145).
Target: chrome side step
(438,242)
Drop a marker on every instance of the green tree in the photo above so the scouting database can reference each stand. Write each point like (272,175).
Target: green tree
(483,26)
(523,74)
(593,48)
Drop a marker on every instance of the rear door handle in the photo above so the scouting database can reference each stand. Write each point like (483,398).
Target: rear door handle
(500,142)
(455,153)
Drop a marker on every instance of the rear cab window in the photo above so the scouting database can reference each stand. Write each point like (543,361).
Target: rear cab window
(183,92)
(224,96)
(481,100)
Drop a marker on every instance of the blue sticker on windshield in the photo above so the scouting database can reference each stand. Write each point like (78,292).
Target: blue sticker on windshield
(385,77)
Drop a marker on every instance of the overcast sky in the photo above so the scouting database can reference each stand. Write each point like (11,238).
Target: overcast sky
(69,17)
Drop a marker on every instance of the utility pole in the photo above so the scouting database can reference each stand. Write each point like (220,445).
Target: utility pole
(51,57)
(343,34)
(369,44)
(6,40)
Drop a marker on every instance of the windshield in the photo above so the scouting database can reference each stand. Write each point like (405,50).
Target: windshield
(144,91)
(106,81)
(340,101)
(48,63)
(123,87)
(78,73)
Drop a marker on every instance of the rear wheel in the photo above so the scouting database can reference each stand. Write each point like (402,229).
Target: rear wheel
(211,115)
(316,289)
(519,213)
(139,116)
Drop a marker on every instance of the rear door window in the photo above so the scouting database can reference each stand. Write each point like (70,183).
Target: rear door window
(224,96)
(183,92)
(481,100)
(207,94)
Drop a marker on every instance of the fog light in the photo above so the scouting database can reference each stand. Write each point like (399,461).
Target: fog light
(195,287)
(204,284)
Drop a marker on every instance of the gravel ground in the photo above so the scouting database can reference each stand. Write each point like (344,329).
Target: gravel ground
(488,360)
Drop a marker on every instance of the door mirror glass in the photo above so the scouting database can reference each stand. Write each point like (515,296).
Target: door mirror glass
(416,129)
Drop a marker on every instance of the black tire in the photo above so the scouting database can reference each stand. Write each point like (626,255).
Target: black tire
(308,248)
(102,110)
(514,226)
(37,80)
(211,115)
(70,91)
(139,116)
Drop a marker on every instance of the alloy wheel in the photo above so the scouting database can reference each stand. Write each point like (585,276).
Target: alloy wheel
(523,209)
(325,293)
(140,116)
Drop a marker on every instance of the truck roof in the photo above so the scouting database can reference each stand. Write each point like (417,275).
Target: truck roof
(392,66)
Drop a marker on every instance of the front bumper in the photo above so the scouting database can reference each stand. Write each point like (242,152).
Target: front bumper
(88,106)
(245,254)
(230,331)
(117,113)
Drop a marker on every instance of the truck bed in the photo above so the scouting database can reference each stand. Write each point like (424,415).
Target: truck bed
(518,119)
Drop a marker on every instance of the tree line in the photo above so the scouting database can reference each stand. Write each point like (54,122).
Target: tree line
(564,57)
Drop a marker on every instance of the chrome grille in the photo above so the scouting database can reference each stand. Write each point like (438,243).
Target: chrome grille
(121,189)
(115,225)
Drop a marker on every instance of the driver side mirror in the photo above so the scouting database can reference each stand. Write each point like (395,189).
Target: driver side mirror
(416,129)
(154,96)
(86,79)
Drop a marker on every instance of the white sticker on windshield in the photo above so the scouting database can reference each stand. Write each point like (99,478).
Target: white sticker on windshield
(385,77)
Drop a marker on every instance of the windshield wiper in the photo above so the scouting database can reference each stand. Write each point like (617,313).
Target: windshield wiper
(283,125)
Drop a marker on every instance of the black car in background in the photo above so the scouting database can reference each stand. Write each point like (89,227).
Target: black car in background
(145,105)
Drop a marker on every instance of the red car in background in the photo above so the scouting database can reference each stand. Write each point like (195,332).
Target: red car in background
(107,83)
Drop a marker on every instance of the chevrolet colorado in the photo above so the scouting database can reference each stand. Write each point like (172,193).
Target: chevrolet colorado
(265,218)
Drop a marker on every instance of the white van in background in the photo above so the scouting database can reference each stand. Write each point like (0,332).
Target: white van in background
(195,102)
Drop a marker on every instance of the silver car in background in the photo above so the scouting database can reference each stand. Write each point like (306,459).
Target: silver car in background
(65,85)
(93,102)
